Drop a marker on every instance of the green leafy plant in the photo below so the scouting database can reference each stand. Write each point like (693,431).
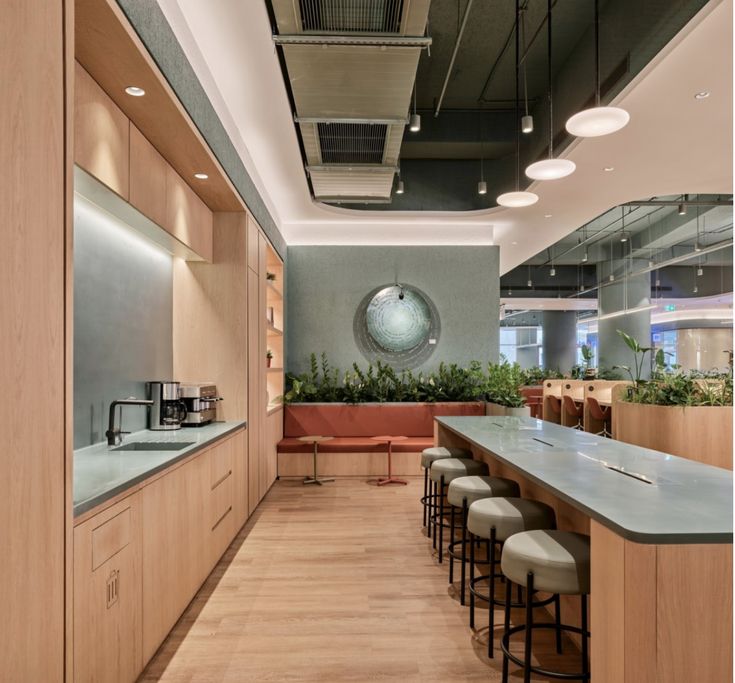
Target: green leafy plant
(503,386)
(639,358)
(270,276)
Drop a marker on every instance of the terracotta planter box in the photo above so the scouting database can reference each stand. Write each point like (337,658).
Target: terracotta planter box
(700,433)
(496,410)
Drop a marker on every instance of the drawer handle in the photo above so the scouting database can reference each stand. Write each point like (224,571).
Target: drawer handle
(219,481)
(217,523)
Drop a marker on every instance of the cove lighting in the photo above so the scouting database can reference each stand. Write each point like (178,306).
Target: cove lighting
(201,176)
(626,311)
(135,91)
(517,199)
(551,169)
(597,121)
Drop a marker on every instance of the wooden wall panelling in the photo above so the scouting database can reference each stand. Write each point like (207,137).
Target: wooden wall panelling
(263,484)
(148,171)
(110,50)
(187,217)
(101,134)
(175,533)
(254,397)
(210,317)
(34,206)
(108,603)
(253,235)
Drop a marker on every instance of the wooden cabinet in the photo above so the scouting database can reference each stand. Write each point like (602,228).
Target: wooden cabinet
(101,134)
(148,171)
(221,515)
(256,362)
(240,478)
(108,595)
(274,433)
(187,217)
(175,534)
(253,235)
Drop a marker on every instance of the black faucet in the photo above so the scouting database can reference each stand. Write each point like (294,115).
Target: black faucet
(112,434)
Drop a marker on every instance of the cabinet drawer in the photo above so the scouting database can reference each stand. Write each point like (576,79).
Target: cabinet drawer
(110,538)
(220,463)
(221,502)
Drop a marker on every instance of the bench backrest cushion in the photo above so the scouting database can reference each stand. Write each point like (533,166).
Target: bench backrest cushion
(372,419)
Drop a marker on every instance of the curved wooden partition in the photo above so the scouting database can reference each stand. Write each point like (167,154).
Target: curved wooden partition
(552,389)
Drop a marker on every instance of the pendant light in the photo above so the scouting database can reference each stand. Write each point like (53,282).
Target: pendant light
(482,185)
(517,198)
(414,124)
(597,121)
(550,169)
(527,119)
(400,189)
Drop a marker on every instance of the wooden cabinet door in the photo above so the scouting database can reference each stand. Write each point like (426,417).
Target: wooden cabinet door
(148,171)
(187,217)
(263,483)
(255,403)
(176,529)
(274,435)
(107,595)
(240,478)
(101,134)
(221,515)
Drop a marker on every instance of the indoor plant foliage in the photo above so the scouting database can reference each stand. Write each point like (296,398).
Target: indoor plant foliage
(380,383)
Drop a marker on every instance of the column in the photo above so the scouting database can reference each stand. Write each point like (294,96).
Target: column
(612,296)
(560,340)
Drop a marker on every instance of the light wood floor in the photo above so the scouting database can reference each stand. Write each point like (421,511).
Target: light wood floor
(335,583)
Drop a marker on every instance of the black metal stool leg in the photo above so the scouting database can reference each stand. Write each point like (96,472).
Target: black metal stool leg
(585,664)
(472,576)
(557,610)
(491,602)
(463,569)
(451,540)
(506,625)
(433,514)
(426,492)
(441,520)
(529,629)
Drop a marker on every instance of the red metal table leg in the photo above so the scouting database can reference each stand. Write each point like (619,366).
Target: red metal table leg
(390,479)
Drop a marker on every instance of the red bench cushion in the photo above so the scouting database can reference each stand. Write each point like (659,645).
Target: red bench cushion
(356,444)
(366,420)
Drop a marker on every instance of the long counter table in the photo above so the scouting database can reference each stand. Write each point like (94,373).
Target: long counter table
(102,472)
(661,538)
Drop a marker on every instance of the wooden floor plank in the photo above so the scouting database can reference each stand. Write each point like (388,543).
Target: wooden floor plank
(332,583)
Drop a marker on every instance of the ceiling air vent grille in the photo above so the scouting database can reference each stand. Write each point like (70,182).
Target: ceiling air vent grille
(352,143)
(354,16)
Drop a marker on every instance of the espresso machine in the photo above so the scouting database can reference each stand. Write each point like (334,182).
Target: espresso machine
(201,401)
(168,410)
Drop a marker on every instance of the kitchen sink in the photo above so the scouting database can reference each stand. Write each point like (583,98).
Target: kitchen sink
(154,446)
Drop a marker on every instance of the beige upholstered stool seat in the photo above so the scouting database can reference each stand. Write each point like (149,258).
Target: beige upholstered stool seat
(508,516)
(474,488)
(559,561)
(453,468)
(429,455)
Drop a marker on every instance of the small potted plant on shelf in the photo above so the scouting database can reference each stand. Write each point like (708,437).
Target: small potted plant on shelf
(271,277)
(268,358)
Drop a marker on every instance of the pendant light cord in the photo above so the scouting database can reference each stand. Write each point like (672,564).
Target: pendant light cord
(518,119)
(525,73)
(551,103)
(597,53)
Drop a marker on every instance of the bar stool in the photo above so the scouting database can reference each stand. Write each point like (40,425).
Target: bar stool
(496,520)
(462,493)
(602,414)
(428,456)
(443,472)
(574,411)
(555,562)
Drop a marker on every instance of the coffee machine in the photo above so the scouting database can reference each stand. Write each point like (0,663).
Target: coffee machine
(168,410)
(201,400)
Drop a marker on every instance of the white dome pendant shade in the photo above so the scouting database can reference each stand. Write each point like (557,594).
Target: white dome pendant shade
(514,200)
(551,169)
(597,121)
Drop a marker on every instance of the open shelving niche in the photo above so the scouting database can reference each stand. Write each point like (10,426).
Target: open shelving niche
(274,324)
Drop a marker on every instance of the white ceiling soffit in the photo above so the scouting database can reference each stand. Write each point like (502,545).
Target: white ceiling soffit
(351,100)
(674,144)
(547,304)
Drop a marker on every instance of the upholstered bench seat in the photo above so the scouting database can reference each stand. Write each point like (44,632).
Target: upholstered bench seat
(355,444)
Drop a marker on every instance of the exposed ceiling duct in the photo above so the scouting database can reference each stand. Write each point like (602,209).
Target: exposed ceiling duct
(351,67)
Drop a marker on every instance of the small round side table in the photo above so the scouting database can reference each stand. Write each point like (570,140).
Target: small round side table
(316,440)
(390,479)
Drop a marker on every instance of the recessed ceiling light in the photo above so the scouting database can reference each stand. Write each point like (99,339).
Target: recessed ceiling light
(608,169)
(514,243)
(135,91)
(201,176)
(703,95)
(547,215)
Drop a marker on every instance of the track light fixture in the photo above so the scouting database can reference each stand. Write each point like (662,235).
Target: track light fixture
(550,169)
(518,198)
(597,121)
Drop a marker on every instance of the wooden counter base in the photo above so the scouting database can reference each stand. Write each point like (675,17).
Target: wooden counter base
(659,613)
